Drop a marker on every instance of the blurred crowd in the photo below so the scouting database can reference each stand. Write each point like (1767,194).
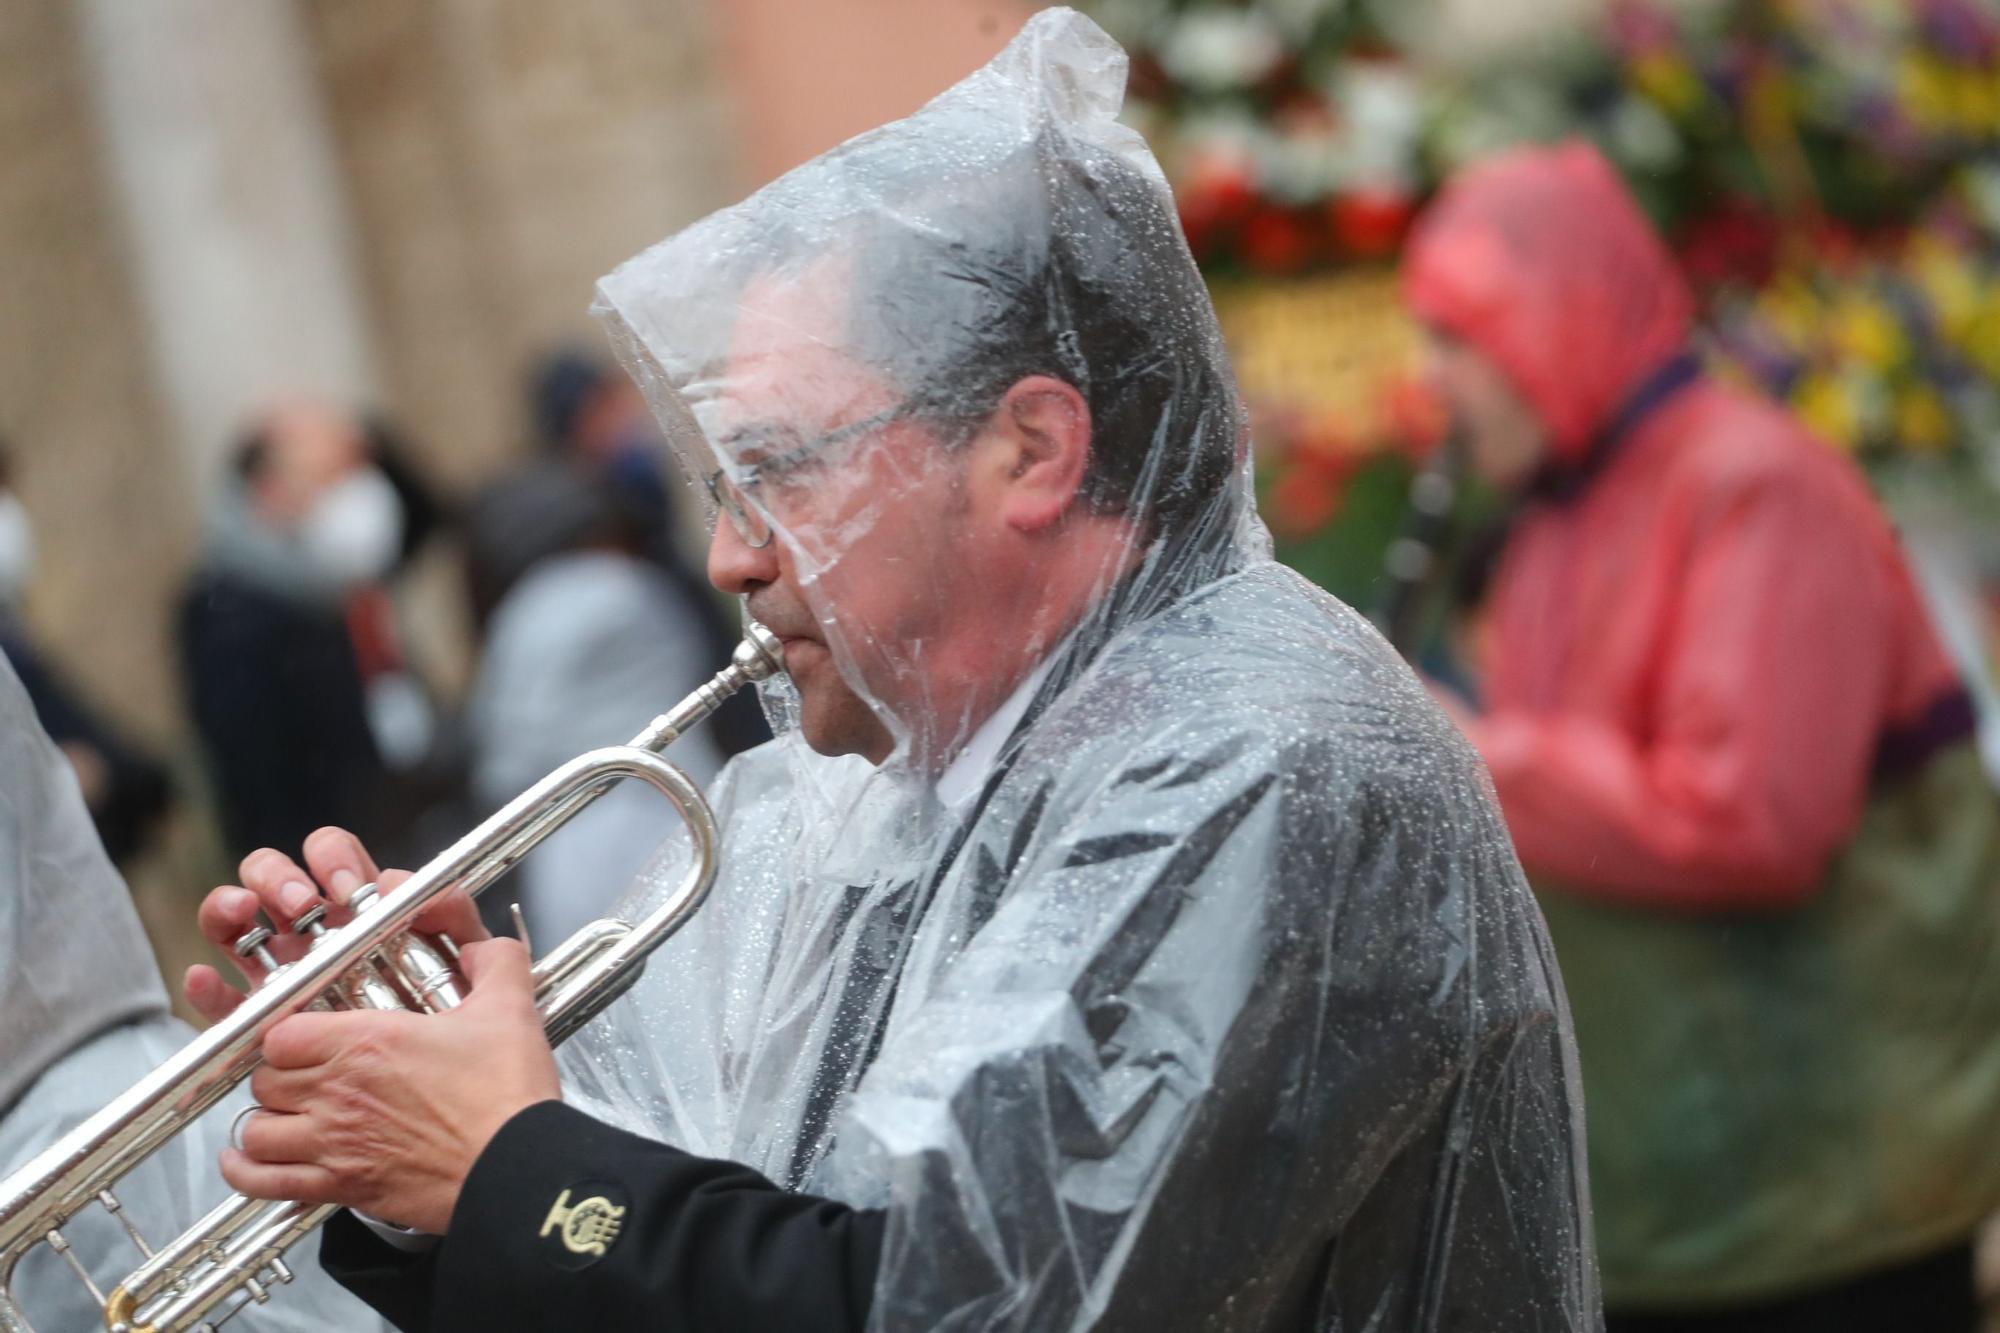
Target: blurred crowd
(589,620)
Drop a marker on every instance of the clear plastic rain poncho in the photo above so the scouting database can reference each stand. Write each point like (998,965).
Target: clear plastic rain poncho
(1174,970)
(82,1017)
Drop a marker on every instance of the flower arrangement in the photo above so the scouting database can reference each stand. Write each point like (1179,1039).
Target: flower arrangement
(1894,355)
(1829,173)
(1327,363)
(1291,128)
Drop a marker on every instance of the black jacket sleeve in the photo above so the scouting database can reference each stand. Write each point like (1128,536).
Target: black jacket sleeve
(565,1222)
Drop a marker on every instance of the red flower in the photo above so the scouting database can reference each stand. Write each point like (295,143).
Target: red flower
(1369,223)
(1216,196)
(1301,502)
(1417,418)
(1277,240)
(1316,466)
(1736,245)
(1837,247)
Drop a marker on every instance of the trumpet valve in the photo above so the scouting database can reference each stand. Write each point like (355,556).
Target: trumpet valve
(311,922)
(255,943)
(431,981)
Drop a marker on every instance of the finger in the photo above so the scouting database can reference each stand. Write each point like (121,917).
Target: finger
(306,1041)
(452,913)
(299,1181)
(212,997)
(277,1089)
(226,913)
(499,971)
(273,1137)
(284,890)
(229,911)
(339,861)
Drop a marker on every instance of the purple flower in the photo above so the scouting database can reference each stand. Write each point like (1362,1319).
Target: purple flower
(1960,30)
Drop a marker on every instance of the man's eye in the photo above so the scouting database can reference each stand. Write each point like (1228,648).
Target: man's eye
(771,453)
(776,467)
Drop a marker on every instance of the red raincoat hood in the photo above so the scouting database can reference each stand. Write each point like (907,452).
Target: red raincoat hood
(1541,259)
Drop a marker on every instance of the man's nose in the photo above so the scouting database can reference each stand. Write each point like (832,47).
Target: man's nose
(735,566)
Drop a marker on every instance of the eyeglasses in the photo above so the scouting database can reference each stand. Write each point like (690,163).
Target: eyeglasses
(781,455)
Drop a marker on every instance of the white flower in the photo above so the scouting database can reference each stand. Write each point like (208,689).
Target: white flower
(1302,168)
(1642,136)
(1215,50)
(1223,131)
(1382,110)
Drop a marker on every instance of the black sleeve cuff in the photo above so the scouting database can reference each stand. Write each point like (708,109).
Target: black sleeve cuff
(397,1283)
(566,1220)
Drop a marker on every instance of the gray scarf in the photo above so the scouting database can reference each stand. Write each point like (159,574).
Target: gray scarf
(238,542)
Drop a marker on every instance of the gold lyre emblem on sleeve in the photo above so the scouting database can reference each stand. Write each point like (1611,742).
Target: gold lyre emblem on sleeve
(588,1227)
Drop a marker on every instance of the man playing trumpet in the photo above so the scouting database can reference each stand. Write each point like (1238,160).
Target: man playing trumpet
(1114,935)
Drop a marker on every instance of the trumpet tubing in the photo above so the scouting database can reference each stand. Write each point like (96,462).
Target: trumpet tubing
(234,1256)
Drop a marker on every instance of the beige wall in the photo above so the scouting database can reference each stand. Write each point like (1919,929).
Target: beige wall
(108,490)
(231,210)
(808,74)
(500,155)
(111,502)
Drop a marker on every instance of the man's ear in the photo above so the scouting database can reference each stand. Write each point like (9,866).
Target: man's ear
(1043,425)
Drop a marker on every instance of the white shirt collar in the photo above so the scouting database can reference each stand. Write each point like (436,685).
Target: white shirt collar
(962,777)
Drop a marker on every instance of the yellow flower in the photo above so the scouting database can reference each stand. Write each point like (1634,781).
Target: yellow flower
(1976,97)
(1669,81)
(1949,284)
(1926,89)
(1828,408)
(1922,423)
(1867,332)
(1982,334)
(1793,309)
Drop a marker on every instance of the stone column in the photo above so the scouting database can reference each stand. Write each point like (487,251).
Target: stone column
(232,208)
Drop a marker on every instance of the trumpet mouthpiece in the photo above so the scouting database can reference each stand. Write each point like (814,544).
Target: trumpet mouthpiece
(760,656)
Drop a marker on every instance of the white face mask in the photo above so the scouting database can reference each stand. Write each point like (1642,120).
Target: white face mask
(354,531)
(17,548)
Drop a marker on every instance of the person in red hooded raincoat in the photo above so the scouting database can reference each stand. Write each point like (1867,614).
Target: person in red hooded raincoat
(1740,771)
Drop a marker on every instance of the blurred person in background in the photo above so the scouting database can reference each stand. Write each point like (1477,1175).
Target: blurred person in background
(592,420)
(585,413)
(585,643)
(83,1015)
(1740,771)
(306,708)
(126,789)
(427,515)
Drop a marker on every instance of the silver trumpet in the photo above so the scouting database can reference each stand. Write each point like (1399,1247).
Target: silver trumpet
(234,1257)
